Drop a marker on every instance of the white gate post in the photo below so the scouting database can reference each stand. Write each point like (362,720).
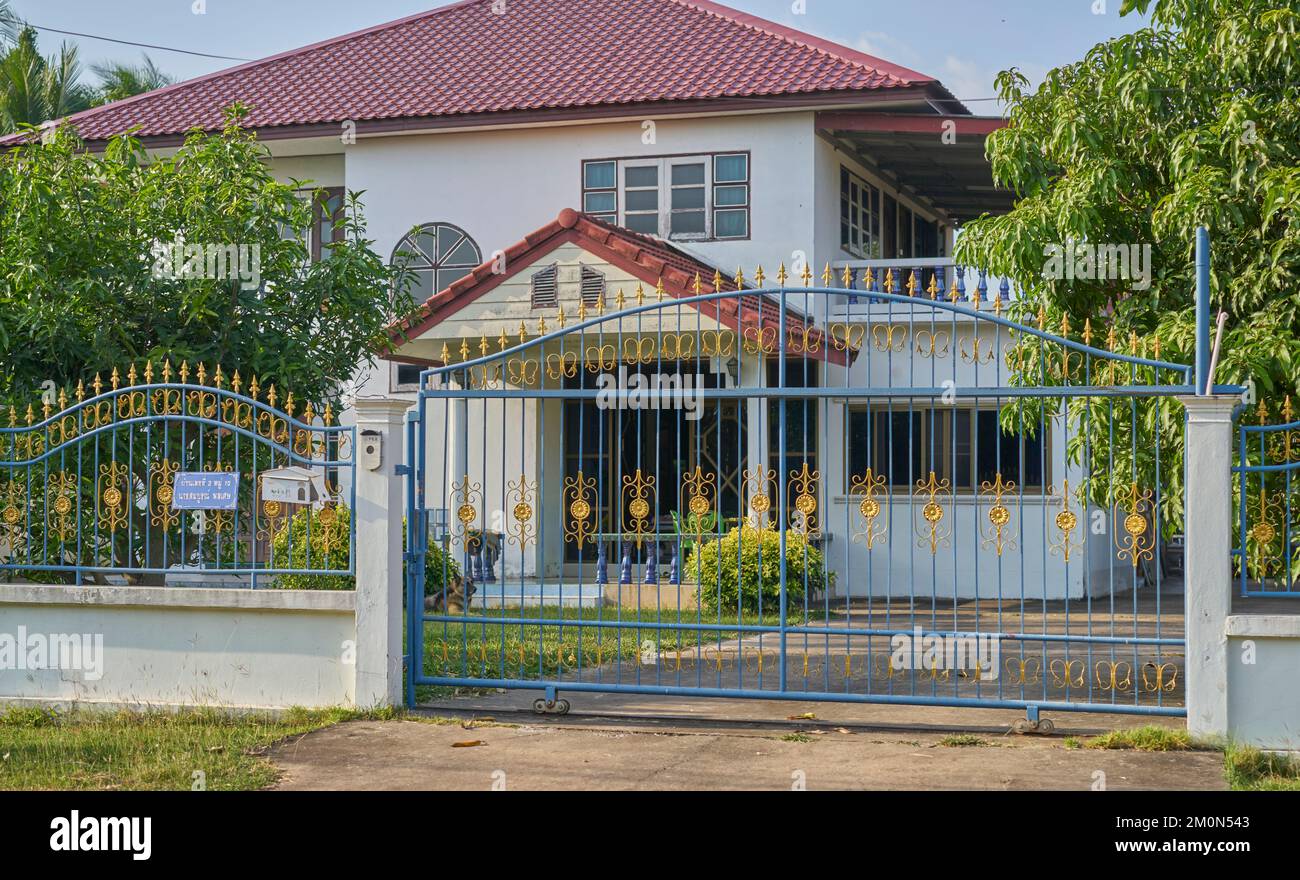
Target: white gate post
(1208,565)
(380,508)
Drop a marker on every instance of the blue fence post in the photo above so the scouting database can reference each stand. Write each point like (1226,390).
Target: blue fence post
(1202,309)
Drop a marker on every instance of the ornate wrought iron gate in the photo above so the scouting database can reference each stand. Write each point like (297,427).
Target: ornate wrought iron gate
(819,493)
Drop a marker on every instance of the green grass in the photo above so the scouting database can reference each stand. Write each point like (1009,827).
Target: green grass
(41,749)
(796,738)
(479,649)
(963,739)
(1249,769)
(1151,738)
(1073,742)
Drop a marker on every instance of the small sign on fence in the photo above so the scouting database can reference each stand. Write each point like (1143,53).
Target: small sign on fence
(205,490)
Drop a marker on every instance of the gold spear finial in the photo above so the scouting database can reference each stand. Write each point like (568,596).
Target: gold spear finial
(582,310)
(63,399)
(660,293)
(482,345)
(218,379)
(781,274)
(13,416)
(953,293)
(464,348)
(1132,342)
(600,303)
(132,377)
(717,281)
(115,379)
(827,275)
(503,340)
(446,354)
(167,370)
(911,283)
(148,372)
(201,374)
(288,404)
(697,286)
(1110,338)
(1155,346)
(541,325)
(235,382)
(253,388)
(868,278)
(560,317)
(1042,318)
(806,275)
(47,407)
(620,300)
(1286,409)
(1065,325)
(1262,411)
(759,277)
(81,391)
(523,333)
(889,280)
(1087,331)
(847,277)
(185,372)
(31,415)
(740,277)
(270,396)
(933,289)
(97,385)
(328,415)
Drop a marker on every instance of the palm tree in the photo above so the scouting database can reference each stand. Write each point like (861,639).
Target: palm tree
(119,80)
(34,88)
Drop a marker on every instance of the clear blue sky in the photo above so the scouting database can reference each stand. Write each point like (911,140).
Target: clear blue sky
(962,42)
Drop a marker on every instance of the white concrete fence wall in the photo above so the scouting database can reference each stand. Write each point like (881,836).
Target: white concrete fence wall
(267,649)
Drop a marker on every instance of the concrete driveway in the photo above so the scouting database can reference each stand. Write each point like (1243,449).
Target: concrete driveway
(618,742)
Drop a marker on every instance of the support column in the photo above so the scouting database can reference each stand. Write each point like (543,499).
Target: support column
(1208,566)
(380,507)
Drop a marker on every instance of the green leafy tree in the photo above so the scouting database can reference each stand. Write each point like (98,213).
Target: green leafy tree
(1194,120)
(90,244)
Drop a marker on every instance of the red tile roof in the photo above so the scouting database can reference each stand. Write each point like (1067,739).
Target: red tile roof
(464,59)
(646,258)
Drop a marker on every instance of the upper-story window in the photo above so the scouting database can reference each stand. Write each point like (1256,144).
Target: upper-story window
(859,220)
(687,198)
(437,254)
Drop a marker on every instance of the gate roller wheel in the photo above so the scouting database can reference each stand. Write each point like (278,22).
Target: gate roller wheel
(562,707)
(540,706)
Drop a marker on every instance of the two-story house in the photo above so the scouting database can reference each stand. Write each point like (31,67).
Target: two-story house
(539,160)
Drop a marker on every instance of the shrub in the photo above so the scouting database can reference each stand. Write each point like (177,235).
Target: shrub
(337,555)
(328,547)
(759,553)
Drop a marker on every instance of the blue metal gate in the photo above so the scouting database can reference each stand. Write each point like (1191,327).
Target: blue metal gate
(887,491)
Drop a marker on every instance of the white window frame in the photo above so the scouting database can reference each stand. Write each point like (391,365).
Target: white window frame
(664,212)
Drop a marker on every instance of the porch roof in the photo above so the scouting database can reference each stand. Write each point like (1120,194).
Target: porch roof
(953,178)
(650,260)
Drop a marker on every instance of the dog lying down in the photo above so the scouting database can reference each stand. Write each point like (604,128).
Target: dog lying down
(453,600)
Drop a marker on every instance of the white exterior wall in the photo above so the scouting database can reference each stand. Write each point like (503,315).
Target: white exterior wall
(163,648)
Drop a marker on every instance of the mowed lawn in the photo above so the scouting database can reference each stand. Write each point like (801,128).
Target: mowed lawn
(41,749)
(483,648)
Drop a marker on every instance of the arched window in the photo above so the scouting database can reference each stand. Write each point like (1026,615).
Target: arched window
(437,254)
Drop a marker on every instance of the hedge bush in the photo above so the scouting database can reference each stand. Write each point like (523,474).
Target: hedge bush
(759,571)
(337,557)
